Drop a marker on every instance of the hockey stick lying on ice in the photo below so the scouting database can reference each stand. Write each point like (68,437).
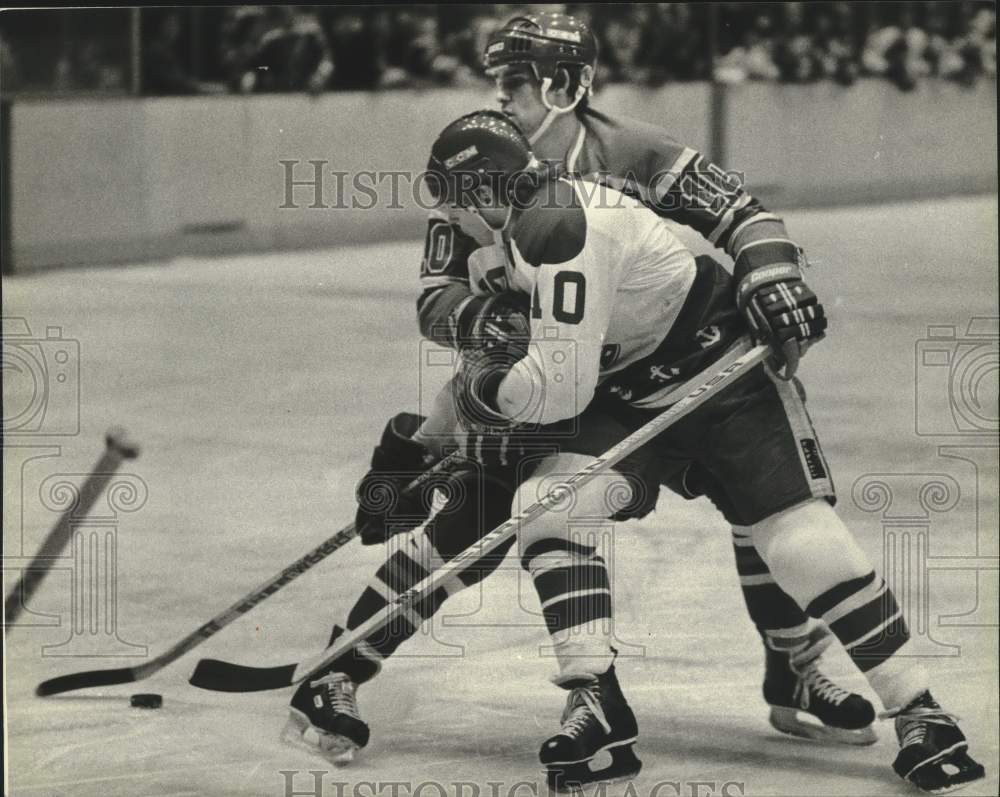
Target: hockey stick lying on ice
(223,676)
(127,675)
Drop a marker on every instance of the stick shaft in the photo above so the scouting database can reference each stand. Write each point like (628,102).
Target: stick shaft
(720,375)
(40,565)
(242,606)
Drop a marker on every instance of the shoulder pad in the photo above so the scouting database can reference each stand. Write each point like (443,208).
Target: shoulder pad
(554,229)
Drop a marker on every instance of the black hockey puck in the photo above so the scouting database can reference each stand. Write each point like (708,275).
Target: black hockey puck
(148,700)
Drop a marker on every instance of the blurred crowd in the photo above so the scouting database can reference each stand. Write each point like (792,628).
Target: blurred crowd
(244,49)
(899,41)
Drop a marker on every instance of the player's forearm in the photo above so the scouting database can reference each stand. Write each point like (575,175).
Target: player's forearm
(536,394)
(438,428)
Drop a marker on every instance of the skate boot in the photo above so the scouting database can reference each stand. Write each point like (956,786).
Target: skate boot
(324,717)
(805,703)
(596,719)
(933,751)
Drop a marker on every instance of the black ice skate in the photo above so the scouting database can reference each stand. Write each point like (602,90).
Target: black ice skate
(324,717)
(806,703)
(933,751)
(596,719)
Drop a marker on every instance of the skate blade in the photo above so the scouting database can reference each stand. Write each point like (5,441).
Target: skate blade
(790,721)
(946,774)
(574,778)
(298,733)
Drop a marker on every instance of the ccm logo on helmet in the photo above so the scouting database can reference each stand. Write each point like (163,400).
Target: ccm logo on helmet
(565,35)
(461,157)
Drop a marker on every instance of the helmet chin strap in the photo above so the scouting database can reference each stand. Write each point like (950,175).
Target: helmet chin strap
(554,111)
(496,232)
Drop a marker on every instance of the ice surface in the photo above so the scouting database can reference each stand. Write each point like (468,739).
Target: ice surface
(257,386)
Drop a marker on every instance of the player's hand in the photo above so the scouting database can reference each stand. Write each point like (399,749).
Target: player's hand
(383,507)
(783,312)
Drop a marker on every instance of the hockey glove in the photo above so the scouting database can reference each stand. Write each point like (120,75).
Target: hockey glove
(496,323)
(781,309)
(383,508)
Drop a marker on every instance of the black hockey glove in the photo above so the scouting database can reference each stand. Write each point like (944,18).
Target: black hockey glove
(498,322)
(384,509)
(781,309)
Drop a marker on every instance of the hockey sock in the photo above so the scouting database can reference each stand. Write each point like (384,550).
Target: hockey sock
(773,611)
(865,616)
(575,594)
(818,562)
(482,503)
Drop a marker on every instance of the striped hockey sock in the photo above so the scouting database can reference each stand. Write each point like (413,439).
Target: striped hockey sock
(574,590)
(865,616)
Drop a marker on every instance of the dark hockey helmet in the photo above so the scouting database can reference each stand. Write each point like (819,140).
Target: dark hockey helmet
(483,148)
(545,40)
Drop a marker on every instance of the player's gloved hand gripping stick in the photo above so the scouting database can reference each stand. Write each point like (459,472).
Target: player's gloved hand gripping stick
(776,302)
(127,675)
(228,677)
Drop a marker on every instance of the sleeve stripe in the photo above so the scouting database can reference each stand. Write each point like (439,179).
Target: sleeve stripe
(430,283)
(753,220)
(665,183)
(762,241)
(727,219)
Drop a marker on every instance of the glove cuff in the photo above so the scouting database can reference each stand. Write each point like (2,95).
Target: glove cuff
(762,254)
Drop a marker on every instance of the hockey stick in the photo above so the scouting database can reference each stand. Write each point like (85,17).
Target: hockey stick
(222,676)
(127,675)
(118,447)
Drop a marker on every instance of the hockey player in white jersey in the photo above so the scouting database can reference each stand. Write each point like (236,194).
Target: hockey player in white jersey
(633,288)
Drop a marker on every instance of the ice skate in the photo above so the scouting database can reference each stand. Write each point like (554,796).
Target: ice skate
(933,751)
(324,717)
(596,719)
(806,703)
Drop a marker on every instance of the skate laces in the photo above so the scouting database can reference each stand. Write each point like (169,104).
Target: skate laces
(918,715)
(584,702)
(812,680)
(340,692)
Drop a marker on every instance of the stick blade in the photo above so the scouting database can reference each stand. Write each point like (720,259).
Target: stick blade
(223,676)
(85,680)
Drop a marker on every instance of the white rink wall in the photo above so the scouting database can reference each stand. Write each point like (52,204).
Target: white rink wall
(98,181)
